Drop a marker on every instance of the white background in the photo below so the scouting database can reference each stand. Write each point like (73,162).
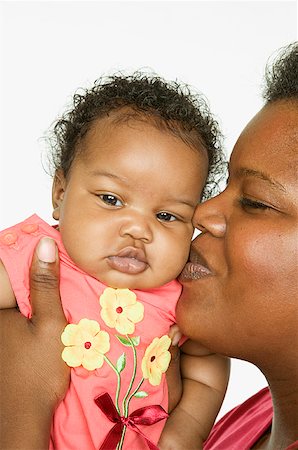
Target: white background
(49,49)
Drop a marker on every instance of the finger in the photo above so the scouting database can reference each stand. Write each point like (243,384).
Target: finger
(175,356)
(175,334)
(174,366)
(44,282)
(174,379)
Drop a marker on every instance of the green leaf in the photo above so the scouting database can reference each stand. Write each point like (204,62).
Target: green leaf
(121,363)
(141,394)
(126,342)
(135,340)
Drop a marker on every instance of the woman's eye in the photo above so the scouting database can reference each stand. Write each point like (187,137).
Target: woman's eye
(111,200)
(166,217)
(248,203)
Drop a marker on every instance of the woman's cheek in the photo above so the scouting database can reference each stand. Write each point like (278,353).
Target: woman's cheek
(265,257)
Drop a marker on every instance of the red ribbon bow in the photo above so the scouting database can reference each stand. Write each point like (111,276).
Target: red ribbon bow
(148,415)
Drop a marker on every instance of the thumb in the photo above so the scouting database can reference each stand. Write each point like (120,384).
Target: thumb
(44,282)
(174,378)
(175,334)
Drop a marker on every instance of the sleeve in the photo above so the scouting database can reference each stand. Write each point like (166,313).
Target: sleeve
(16,252)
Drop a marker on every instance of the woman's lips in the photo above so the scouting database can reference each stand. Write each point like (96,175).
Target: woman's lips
(129,260)
(195,269)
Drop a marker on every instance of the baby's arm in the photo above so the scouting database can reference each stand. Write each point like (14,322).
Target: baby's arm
(7,297)
(204,378)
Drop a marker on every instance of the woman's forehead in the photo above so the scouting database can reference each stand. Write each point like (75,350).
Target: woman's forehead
(269,143)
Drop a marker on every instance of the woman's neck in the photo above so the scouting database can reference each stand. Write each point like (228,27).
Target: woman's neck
(285,418)
(284,393)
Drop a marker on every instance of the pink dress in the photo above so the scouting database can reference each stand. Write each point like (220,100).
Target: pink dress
(80,422)
(244,425)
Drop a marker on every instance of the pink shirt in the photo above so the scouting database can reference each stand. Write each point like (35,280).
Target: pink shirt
(78,422)
(244,425)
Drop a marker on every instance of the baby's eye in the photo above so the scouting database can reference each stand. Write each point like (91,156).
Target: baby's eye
(166,217)
(248,203)
(110,199)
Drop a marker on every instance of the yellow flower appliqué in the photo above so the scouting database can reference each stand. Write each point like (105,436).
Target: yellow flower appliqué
(85,344)
(121,310)
(156,359)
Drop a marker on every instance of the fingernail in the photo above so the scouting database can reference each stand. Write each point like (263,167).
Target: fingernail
(46,250)
(176,339)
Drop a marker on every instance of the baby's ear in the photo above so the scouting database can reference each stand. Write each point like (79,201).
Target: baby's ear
(58,190)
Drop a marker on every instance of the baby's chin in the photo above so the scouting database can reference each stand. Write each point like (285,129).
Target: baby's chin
(135,282)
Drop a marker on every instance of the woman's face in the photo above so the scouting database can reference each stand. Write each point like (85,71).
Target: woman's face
(240,288)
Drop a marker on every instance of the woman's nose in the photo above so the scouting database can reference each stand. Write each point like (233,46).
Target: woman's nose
(210,218)
(137,227)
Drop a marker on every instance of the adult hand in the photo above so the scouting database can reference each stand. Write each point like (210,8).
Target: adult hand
(34,378)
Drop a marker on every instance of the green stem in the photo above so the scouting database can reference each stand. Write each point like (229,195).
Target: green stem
(120,443)
(119,447)
(118,382)
(124,406)
(135,391)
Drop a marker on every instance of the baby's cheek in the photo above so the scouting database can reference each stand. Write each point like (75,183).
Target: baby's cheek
(182,254)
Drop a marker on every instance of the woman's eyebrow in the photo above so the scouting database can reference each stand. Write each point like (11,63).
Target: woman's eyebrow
(245,172)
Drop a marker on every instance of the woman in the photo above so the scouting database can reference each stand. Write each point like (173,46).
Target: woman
(239,295)
(240,285)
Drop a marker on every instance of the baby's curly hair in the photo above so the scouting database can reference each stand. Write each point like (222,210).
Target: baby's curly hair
(281,75)
(169,105)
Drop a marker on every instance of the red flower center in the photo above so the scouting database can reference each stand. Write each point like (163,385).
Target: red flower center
(119,310)
(152,358)
(87,345)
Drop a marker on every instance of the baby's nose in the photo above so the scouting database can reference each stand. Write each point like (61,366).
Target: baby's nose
(137,228)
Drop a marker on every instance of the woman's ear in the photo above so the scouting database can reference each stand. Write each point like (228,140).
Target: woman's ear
(58,189)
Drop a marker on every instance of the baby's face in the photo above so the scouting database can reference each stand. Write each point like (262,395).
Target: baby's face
(126,207)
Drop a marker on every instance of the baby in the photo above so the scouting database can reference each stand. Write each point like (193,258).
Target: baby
(132,158)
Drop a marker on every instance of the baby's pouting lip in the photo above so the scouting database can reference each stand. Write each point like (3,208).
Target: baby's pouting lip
(129,260)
